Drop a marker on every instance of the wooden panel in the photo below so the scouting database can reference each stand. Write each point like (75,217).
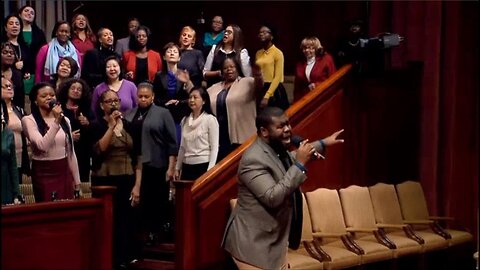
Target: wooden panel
(73,234)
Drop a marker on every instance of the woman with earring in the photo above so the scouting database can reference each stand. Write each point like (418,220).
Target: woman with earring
(155,135)
(93,71)
(199,146)
(54,163)
(59,47)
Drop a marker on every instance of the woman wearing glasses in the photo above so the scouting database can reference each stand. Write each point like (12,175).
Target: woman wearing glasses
(231,46)
(114,163)
(125,89)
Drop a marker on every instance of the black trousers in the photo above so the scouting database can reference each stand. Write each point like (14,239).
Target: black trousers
(156,209)
(126,238)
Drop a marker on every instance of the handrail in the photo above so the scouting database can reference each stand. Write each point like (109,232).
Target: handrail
(208,182)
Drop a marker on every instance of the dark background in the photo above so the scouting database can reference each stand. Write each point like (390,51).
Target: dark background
(293,20)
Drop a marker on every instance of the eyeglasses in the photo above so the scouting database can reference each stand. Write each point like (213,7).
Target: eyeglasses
(228,32)
(8,52)
(6,86)
(265,32)
(111,101)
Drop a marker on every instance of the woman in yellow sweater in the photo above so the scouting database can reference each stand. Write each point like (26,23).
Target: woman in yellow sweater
(270,60)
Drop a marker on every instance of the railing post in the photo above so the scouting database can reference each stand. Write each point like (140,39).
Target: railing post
(185,227)
(106,194)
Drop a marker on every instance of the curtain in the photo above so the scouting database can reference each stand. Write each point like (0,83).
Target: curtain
(444,36)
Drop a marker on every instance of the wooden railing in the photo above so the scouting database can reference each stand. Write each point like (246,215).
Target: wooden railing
(73,234)
(202,208)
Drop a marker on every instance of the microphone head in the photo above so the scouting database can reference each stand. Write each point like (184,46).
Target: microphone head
(52,103)
(296,140)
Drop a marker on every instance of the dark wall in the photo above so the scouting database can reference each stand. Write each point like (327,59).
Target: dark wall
(293,20)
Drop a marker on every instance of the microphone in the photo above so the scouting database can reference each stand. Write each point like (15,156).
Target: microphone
(296,140)
(115,109)
(52,103)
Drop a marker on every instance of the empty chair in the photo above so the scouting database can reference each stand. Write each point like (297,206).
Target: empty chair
(331,256)
(327,221)
(85,187)
(27,191)
(301,258)
(387,213)
(414,210)
(359,217)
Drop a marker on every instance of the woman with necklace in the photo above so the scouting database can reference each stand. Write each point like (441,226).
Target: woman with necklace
(155,142)
(113,80)
(316,68)
(270,60)
(233,102)
(74,95)
(199,146)
(13,119)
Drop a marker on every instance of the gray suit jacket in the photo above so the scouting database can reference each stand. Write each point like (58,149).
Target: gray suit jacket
(122,46)
(258,228)
(159,139)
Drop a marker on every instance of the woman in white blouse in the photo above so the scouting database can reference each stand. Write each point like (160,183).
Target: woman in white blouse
(199,145)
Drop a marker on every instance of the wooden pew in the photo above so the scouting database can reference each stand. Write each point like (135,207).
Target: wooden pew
(202,208)
(71,234)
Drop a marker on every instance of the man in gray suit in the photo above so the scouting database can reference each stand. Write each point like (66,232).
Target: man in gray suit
(123,44)
(257,231)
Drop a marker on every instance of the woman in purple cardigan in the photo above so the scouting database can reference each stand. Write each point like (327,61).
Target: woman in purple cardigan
(125,89)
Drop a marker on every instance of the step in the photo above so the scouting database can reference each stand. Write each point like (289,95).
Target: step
(151,264)
(161,251)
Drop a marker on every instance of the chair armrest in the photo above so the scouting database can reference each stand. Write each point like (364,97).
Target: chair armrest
(441,218)
(366,230)
(346,239)
(418,221)
(391,226)
(315,251)
(325,234)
